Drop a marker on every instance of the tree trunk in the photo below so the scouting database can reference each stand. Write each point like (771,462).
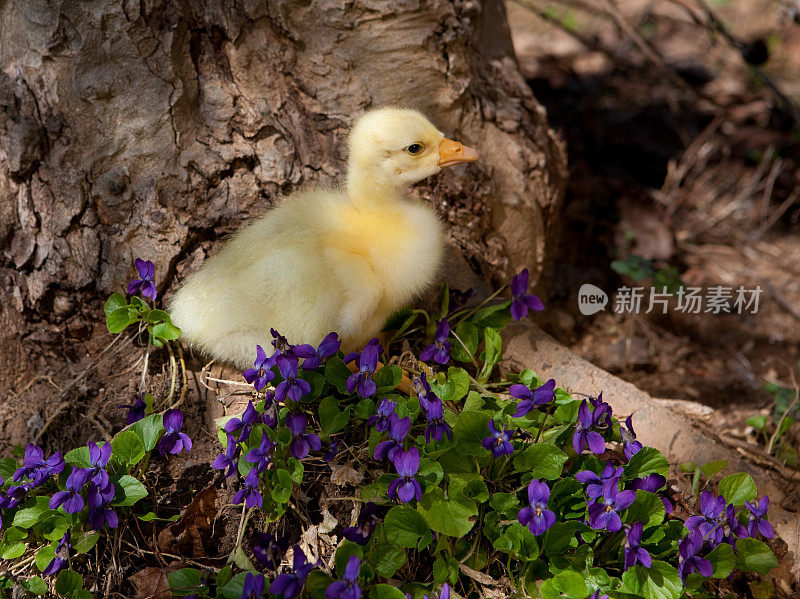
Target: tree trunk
(153,128)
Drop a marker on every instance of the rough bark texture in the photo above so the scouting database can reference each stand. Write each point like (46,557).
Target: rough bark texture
(152,128)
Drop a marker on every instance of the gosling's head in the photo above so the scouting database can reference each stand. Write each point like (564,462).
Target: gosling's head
(396,147)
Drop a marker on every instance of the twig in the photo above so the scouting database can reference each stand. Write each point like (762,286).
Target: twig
(143,382)
(779,211)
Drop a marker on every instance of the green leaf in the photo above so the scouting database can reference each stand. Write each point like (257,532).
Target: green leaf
(519,542)
(567,584)
(235,588)
(68,582)
(430,472)
(647,508)
(567,413)
(120,318)
(386,591)
(337,373)
(78,457)
(561,536)
(660,581)
(296,470)
(13,550)
(35,585)
(331,418)
(129,491)
(364,409)
(223,577)
(387,559)
(468,486)
(738,488)
(754,556)
(44,556)
(493,345)
(32,511)
(459,380)
(542,460)
(758,422)
(127,448)
(447,516)
(150,516)
(647,460)
(405,527)
(87,542)
(282,486)
(470,430)
(114,302)
(387,378)
(722,559)
(185,581)
(496,316)
(712,468)
(166,331)
(469,334)
(149,430)
(505,503)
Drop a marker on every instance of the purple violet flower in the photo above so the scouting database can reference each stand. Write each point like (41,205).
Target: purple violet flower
(174,441)
(434,413)
(261,456)
(536,516)
(301,444)
(269,550)
(62,555)
(596,484)
(707,525)
(499,442)
(99,511)
(398,429)
(136,411)
(365,524)
(633,552)
(36,468)
(250,416)
(531,399)
(367,362)
(733,529)
(444,594)
(290,387)
(71,498)
(630,446)
(253,586)
(689,561)
(347,588)
(147,271)
(261,373)
(289,585)
(439,350)
(603,513)
(249,495)
(333,450)
(653,483)
(584,437)
(381,420)
(602,418)
(597,595)
(314,357)
(14,495)
(228,460)
(406,487)
(757,519)
(521,301)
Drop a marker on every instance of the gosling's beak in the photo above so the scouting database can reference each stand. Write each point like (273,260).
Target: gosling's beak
(452,152)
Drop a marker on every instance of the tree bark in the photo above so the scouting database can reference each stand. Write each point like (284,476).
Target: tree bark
(153,128)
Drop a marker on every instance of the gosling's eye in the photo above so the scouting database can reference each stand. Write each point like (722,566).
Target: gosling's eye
(415,148)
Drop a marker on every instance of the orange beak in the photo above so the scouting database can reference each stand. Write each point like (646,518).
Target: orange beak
(452,152)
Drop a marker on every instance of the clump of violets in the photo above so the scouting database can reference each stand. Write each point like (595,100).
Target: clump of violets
(228,460)
(347,588)
(689,561)
(144,283)
(261,456)
(532,399)
(290,584)
(302,443)
(499,442)
(174,441)
(249,494)
(439,350)
(100,512)
(98,460)
(434,411)
(521,300)
(406,487)
(536,516)
(291,387)
(596,484)
(367,363)
(313,358)
(707,524)
(584,436)
(630,446)
(244,425)
(365,523)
